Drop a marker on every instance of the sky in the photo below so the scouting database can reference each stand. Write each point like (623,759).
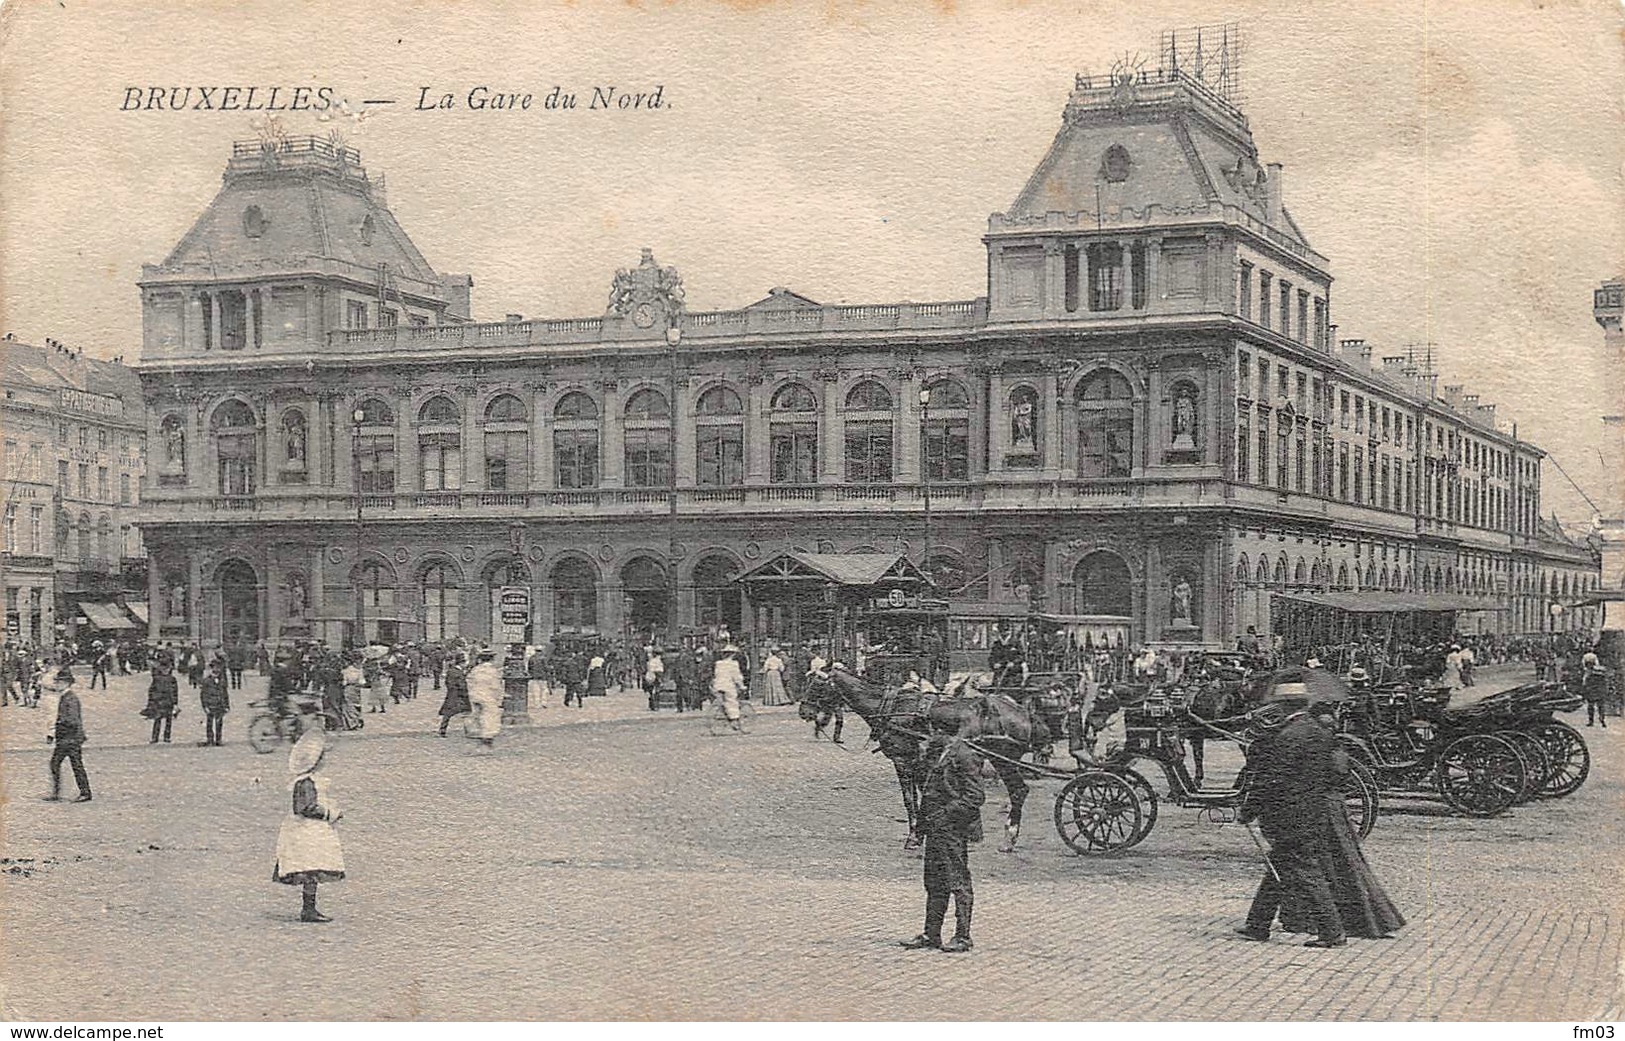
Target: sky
(1462,164)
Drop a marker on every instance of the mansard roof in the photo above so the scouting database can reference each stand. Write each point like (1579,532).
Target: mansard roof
(293,200)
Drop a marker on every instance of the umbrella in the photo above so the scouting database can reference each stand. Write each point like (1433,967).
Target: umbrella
(1300,686)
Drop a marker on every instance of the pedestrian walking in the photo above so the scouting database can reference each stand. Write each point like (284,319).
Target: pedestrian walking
(216,700)
(485,697)
(163,703)
(728,683)
(773,689)
(536,687)
(308,852)
(377,686)
(68,735)
(1315,876)
(455,703)
(1594,687)
(951,817)
(597,678)
(98,668)
(654,674)
(236,661)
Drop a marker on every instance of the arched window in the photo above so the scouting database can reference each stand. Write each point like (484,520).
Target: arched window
(1279,577)
(719,438)
(440,445)
(1105,426)
(948,572)
(793,436)
(442,603)
(716,597)
(104,539)
(172,457)
(293,448)
(1343,576)
(648,440)
(377,583)
(1262,576)
(375,448)
(1300,573)
(945,431)
(575,594)
(64,533)
(575,441)
(233,428)
(868,439)
(1243,571)
(507,444)
(1101,585)
(85,535)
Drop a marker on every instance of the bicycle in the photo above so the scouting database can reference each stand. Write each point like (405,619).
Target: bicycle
(720,724)
(266,730)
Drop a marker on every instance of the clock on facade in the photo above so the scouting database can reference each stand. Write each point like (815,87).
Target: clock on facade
(643,315)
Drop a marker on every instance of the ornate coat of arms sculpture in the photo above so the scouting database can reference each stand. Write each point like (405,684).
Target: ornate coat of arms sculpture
(648,294)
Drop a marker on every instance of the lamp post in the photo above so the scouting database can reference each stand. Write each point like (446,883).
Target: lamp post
(358,634)
(674,336)
(925,472)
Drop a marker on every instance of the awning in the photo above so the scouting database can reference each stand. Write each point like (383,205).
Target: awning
(1377,602)
(139,609)
(842,569)
(105,616)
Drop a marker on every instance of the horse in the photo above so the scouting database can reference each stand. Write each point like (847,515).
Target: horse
(901,720)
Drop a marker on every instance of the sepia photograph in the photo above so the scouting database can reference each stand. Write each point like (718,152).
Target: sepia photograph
(818,512)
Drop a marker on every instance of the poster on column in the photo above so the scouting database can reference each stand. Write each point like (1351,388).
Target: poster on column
(513,613)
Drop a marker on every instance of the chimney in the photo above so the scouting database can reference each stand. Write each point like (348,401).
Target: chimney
(459,294)
(1272,194)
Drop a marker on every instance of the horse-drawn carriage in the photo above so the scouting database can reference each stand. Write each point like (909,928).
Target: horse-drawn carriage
(1481,759)
(1094,814)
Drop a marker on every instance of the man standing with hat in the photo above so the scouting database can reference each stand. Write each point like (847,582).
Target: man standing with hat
(951,818)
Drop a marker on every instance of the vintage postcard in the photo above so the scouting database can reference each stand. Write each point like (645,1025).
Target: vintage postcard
(812,511)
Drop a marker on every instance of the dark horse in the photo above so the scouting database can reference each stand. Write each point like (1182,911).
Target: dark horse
(901,720)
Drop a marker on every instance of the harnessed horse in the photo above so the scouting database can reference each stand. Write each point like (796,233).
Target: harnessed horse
(900,722)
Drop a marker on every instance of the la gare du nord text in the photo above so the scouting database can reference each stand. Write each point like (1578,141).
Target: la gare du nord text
(319,99)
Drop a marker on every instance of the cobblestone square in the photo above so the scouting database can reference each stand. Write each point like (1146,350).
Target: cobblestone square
(610,863)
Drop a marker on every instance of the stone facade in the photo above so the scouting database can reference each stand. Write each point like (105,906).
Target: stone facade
(1147,425)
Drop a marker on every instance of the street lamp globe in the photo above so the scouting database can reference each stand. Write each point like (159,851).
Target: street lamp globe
(925,396)
(358,415)
(674,334)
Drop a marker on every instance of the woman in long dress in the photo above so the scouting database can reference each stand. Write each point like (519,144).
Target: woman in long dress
(773,689)
(485,698)
(307,848)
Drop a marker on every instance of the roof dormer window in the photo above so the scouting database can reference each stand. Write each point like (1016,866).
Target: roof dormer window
(1115,166)
(254,222)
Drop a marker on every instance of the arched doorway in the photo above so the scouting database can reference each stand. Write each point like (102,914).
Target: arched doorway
(716,597)
(239,602)
(1103,586)
(647,598)
(575,595)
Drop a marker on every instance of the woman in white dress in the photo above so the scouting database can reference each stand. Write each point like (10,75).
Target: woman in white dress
(307,848)
(485,698)
(773,690)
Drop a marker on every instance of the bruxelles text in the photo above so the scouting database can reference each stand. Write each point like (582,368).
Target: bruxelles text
(228,99)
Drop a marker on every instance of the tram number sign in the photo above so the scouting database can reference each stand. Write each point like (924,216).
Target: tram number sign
(896,598)
(513,612)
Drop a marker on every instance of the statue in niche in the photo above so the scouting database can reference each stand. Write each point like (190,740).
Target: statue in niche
(297,599)
(174,450)
(293,434)
(1024,421)
(1180,604)
(1184,420)
(177,603)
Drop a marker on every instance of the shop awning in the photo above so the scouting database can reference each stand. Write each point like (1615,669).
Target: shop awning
(1377,602)
(139,609)
(841,569)
(105,616)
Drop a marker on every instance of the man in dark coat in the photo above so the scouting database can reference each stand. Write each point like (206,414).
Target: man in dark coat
(163,700)
(1294,771)
(951,818)
(69,733)
(216,699)
(455,702)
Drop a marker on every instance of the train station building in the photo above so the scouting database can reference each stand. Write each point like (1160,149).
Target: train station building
(1147,425)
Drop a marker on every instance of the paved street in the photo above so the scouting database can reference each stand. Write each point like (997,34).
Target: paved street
(633,866)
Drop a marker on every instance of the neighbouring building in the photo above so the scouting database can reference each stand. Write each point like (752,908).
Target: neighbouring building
(1147,424)
(1608,307)
(74,451)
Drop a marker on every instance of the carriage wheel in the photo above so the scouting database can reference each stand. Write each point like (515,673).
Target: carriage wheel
(1147,795)
(263,734)
(1097,812)
(1571,759)
(1360,798)
(1480,775)
(1535,757)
